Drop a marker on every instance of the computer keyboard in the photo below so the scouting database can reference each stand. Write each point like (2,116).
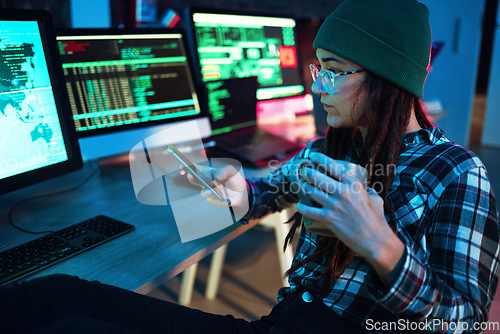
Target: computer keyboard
(31,257)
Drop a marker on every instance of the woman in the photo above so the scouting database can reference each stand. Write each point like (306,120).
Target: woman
(415,250)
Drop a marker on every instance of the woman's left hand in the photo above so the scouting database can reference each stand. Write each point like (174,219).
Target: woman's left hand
(353,213)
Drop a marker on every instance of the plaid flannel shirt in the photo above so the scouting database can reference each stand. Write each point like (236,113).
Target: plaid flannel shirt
(447,218)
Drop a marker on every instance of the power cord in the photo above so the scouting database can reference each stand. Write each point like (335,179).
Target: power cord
(11,211)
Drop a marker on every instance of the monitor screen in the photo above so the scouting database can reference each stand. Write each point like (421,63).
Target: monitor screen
(124,84)
(231,45)
(119,80)
(37,136)
(232,104)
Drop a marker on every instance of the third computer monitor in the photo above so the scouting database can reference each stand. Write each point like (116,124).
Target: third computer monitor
(235,45)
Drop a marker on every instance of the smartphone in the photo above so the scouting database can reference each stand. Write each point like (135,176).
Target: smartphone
(191,168)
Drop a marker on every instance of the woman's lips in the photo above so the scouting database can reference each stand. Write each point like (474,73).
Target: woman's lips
(327,106)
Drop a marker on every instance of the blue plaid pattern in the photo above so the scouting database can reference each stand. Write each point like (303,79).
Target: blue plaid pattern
(447,218)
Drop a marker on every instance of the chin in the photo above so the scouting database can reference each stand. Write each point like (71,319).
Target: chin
(339,122)
(333,121)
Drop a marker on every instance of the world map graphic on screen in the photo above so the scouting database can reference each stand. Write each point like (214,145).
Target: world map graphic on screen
(30,134)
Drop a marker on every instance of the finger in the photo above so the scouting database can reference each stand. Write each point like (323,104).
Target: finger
(223,191)
(321,181)
(328,165)
(349,177)
(320,196)
(225,173)
(371,191)
(194,180)
(339,170)
(352,176)
(217,202)
(375,197)
(208,193)
(353,183)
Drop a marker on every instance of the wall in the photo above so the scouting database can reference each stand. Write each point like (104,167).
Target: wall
(60,9)
(90,14)
(453,75)
(491,133)
(295,8)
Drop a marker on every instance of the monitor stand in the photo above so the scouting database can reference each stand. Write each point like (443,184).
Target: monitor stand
(115,166)
(114,161)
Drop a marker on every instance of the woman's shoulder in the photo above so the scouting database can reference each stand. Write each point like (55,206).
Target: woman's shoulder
(438,151)
(438,159)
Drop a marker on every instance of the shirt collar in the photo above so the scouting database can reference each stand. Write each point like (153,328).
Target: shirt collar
(428,135)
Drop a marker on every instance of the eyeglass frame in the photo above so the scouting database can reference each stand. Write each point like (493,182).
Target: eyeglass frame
(331,76)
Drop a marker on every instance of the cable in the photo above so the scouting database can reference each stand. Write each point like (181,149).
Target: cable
(7,244)
(11,211)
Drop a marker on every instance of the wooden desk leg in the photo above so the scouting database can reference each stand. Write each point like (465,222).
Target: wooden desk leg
(215,272)
(218,256)
(187,285)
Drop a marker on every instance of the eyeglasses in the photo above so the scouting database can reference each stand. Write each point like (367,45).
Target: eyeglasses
(328,77)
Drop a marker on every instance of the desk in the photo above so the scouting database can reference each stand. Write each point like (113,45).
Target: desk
(138,261)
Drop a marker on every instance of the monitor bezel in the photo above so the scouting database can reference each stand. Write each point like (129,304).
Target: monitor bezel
(74,161)
(137,31)
(189,11)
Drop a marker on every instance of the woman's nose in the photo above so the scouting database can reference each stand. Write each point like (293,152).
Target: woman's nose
(317,87)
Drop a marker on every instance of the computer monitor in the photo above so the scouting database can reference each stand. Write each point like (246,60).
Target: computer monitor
(123,84)
(37,135)
(229,45)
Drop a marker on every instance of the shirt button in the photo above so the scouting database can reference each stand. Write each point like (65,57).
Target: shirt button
(307,297)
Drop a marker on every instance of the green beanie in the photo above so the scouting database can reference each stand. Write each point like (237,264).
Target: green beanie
(390,38)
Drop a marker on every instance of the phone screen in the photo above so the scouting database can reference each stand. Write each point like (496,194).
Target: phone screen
(191,168)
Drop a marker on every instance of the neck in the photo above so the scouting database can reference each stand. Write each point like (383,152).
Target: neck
(413,123)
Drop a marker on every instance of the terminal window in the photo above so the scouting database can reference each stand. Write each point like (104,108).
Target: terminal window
(238,46)
(126,80)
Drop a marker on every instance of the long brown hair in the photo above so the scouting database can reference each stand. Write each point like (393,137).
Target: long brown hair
(386,116)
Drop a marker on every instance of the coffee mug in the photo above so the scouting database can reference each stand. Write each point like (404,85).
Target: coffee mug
(297,186)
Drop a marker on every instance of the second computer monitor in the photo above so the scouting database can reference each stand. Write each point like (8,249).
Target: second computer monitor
(125,80)
(233,45)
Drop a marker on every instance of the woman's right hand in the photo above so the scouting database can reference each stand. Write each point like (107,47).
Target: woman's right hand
(229,183)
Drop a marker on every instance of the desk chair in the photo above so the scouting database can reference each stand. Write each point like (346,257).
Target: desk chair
(276,222)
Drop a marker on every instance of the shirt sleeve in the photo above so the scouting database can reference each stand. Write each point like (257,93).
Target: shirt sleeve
(458,281)
(273,193)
